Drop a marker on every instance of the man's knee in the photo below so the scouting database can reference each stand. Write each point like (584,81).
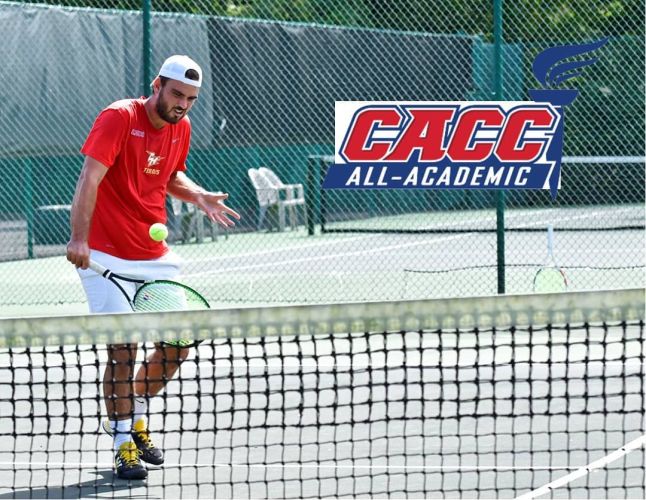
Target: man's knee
(122,354)
(172,354)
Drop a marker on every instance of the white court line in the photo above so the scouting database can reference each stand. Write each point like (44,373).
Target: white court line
(328,257)
(586,469)
(218,364)
(380,249)
(551,217)
(282,249)
(86,465)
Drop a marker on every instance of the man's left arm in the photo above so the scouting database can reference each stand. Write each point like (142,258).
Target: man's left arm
(212,204)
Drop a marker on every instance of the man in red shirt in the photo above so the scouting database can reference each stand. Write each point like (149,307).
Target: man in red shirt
(134,155)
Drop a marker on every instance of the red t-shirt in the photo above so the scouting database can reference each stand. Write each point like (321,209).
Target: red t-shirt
(132,195)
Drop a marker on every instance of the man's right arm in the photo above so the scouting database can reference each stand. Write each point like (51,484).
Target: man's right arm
(78,250)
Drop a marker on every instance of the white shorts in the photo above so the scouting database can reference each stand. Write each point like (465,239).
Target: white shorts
(104,297)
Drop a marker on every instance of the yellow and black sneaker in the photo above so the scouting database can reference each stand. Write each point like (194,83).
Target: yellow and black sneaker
(141,437)
(127,464)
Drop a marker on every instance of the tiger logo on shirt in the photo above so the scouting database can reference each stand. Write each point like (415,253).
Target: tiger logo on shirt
(153,160)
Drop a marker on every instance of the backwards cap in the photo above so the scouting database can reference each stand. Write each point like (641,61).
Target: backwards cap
(176,67)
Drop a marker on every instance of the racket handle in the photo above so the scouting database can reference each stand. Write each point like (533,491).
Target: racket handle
(98,268)
(550,240)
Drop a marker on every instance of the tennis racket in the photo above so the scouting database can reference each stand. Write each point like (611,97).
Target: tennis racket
(550,278)
(157,295)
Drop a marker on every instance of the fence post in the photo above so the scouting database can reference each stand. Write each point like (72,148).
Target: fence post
(147,48)
(498,94)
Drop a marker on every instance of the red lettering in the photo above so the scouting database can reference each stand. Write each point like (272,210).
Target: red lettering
(378,134)
(463,134)
(366,121)
(512,145)
(425,132)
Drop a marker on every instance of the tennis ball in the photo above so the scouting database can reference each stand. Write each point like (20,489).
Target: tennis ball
(158,231)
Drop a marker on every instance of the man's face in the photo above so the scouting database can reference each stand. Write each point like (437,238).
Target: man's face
(175,99)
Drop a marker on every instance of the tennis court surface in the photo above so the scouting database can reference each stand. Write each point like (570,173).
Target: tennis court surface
(480,397)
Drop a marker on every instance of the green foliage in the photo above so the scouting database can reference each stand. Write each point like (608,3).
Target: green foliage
(571,20)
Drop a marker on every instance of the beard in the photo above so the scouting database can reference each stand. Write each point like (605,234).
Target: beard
(167,112)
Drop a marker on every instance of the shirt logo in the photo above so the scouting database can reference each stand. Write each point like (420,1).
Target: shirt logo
(153,159)
(137,133)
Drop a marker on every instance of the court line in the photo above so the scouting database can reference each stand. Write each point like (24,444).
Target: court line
(218,364)
(380,249)
(361,252)
(413,364)
(86,465)
(586,469)
(278,250)
(546,215)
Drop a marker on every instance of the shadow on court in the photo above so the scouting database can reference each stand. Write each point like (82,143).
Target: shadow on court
(104,484)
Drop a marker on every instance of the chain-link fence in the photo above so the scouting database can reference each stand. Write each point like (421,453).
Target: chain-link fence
(272,72)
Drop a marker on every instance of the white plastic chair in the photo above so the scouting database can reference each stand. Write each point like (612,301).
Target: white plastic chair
(291,195)
(267,197)
(272,193)
(192,222)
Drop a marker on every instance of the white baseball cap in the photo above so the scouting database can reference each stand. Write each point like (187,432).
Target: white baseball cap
(175,67)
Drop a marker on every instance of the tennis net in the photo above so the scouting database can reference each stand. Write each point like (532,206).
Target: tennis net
(482,397)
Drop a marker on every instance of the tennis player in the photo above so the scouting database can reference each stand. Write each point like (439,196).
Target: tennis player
(135,154)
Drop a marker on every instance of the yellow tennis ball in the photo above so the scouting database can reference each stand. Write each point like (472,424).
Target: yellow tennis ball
(158,231)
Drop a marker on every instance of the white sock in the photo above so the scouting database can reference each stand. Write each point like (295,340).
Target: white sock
(122,430)
(140,410)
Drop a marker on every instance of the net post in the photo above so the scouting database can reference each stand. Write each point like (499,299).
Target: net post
(29,205)
(322,172)
(500,239)
(498,95)
(312,193)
